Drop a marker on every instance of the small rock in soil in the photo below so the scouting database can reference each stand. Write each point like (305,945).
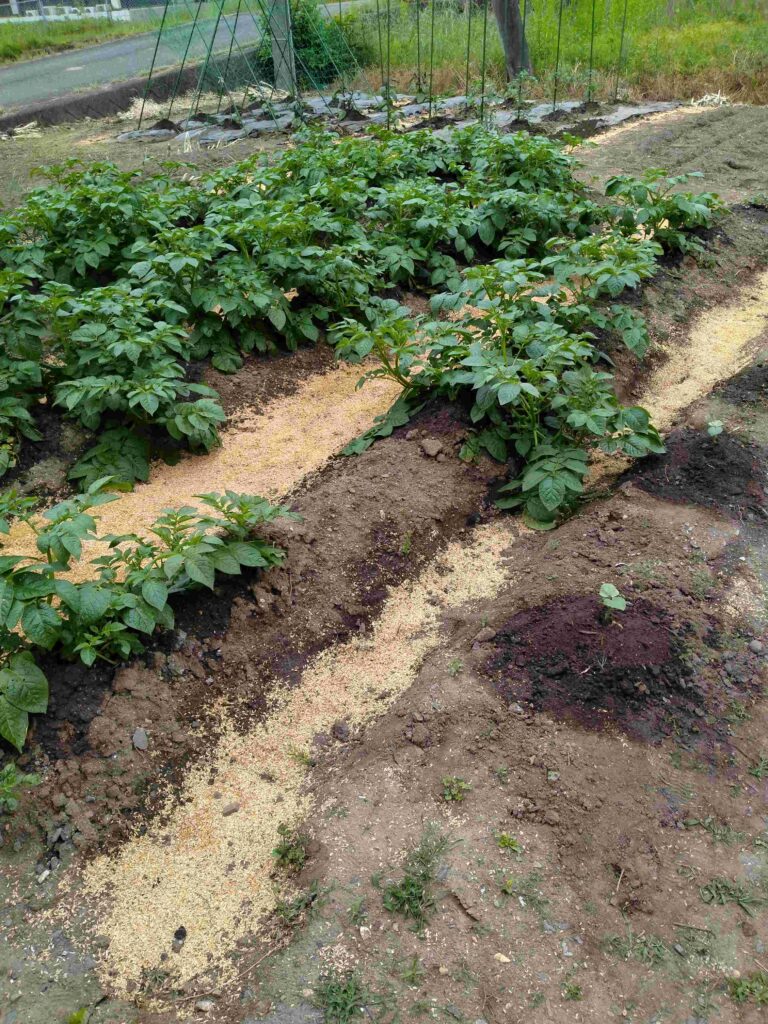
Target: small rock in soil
(228,809)
(204,1005)
(756,647)
(340,731)
(485,635)
(431,447)
(140,739)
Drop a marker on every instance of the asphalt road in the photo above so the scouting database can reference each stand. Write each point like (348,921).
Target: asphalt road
(45,78)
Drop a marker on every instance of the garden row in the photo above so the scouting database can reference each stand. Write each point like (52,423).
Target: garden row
(112,284)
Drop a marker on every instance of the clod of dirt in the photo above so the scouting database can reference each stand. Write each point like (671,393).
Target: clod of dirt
(569,659)
(717,472)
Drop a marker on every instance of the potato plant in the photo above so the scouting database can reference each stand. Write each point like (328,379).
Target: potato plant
(112,282)
(128,596)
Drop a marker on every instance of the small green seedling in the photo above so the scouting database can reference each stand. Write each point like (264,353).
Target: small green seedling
(11,782)
(454,667)
(714,427)
(760,770)
(291,852)
(357,912)
(612,598)
(572,991)
(505,841)
(454,789)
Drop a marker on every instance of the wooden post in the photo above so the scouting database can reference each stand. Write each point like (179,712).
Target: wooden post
(281,35)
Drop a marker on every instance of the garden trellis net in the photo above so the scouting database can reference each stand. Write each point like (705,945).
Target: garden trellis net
(242,53)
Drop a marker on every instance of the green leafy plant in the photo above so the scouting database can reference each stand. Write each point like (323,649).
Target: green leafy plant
(714,428)
(128,596)
(753,988)
(572,991)
(508,843)
(341,996)
(720,891)
(291,851)
(611,598)
(654,204)
(455,789)
(12,781)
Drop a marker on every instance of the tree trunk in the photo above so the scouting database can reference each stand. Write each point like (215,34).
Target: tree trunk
(513,39)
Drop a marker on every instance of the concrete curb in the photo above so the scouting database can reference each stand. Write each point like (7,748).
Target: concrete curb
(100,102)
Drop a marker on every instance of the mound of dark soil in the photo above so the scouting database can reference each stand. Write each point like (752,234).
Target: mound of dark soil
(717,472)
(567,659)
(749,387)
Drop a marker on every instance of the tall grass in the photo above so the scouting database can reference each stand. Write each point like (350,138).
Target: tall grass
(670,48)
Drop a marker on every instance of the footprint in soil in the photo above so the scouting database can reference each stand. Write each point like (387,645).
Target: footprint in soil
(564,658)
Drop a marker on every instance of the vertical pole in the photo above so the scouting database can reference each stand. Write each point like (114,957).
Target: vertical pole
(521,68)
(203,73)
(470,5)
(557,55)
(389,61)
(482,60)
(177,83)
(152,66)
(591,53)
(621,52)
(281,38)
(419,84)
(381,44)
(431,57)
(229,57)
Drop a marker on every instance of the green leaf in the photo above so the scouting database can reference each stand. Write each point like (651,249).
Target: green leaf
(248,553)
(41,625)
(200,570)
(551,492)
(24,685)
(139,619)
(94,602)
(14,724)
(224,561)
(155,593)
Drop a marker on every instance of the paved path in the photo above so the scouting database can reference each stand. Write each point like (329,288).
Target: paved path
(31,81)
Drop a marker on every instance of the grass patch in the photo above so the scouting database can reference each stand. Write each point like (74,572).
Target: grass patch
(341,997)
(699,42)
(646,949)
(721,891)
(413,896)
(753,989)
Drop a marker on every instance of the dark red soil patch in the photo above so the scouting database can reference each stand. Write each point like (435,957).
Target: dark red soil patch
(566,658)
(722,472)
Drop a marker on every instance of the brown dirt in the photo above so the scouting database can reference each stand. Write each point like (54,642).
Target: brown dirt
(729,145)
